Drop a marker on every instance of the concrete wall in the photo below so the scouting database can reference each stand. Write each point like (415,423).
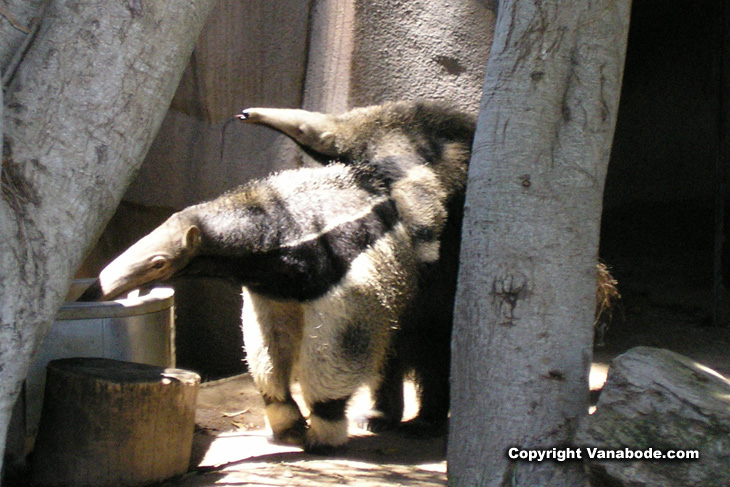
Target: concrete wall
(323,55)
(421,49)
(330,55)
(250,53)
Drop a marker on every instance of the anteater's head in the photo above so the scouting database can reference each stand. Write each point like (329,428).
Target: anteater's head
(154,258)
(312,130)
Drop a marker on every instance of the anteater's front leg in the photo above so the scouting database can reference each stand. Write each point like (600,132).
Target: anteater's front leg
(273,333)
(388,405)
(344,343)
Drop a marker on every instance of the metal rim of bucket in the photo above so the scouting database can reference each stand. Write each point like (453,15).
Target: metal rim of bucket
(135,303)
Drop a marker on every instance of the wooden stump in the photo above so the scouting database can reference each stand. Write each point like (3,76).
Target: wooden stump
(111,423)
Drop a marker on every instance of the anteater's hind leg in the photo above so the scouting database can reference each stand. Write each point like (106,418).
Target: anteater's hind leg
(273,333)
(432,381)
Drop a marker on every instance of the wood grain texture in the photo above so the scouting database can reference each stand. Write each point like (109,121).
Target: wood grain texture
(112,423)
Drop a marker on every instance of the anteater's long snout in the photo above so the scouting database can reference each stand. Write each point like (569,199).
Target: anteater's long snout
(314,130)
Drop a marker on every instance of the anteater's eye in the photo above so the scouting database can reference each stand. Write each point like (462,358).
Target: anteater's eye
(158,263)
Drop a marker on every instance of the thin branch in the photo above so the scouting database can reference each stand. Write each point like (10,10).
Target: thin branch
(14,22)
(20,52)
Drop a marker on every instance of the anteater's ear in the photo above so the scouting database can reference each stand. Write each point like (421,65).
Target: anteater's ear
(192,238)
(327,139)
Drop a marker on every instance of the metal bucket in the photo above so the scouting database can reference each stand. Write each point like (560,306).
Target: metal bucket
(138,328)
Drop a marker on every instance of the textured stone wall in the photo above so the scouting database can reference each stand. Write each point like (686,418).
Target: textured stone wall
(421,49)
(250,53)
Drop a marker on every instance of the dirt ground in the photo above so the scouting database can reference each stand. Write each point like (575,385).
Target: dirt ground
(232,447)
(663,266)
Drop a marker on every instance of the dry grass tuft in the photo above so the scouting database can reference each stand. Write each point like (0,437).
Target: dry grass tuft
(607,296)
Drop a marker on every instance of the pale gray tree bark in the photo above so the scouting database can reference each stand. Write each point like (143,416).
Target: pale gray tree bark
(19,22)
(80,112)
(524,313)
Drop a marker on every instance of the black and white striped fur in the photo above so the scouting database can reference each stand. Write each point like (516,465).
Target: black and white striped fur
(420,150)
(328,269)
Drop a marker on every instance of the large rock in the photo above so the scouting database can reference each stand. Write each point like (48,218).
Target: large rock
(657,399)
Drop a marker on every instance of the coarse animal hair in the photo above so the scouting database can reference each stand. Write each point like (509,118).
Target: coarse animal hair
(420,150)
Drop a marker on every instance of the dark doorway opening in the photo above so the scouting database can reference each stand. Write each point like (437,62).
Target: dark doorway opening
(659,231)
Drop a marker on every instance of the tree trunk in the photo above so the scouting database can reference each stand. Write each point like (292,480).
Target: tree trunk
(524,311)
(80,113)
(18,21)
